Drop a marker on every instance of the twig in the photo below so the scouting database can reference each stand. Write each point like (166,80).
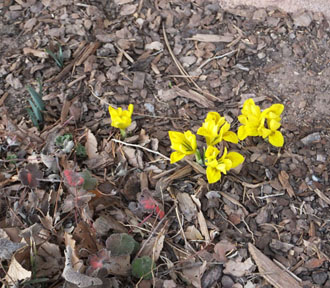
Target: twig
(144,148)
(217,57)
(154,231)
(269,196)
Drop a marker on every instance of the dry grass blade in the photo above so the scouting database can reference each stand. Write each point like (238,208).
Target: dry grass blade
(183,72)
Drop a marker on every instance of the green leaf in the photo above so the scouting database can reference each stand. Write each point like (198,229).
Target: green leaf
(121,244)
(59,141)
(58,61)
(33,118)
(90,182)
(81,151)
(36,112)
(36,98)
(142,267)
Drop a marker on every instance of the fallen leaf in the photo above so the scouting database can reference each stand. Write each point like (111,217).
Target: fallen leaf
(194,274)
(192,233)
(187,206)
(221,248)
(284,179)
(91,145)
(238,268)
(150,204)
(34,52)
(128,9)
(7,248)
(72,178)
(72,276)
(30,175)
(16,272)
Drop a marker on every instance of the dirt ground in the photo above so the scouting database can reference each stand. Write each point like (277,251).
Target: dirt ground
(264,225)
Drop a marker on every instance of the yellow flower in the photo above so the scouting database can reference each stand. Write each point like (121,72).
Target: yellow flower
(217,166)
(210,130)
(254,120)
(184,144)
(121,118)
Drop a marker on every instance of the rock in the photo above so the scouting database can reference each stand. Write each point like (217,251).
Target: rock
(314,137)
(302,19)
(319,277)
(321,158)
(259,15)
(227,282)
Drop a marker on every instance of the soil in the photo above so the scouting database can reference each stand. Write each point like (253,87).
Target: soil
(175,61)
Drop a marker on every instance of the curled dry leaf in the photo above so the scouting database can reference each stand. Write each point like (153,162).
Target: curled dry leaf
(91,145)
(221,248)
(7,248)
(238,268)
(72,276)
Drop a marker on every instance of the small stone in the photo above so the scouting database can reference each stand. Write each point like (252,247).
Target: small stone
(259,15)
(319,277)
(188,60)
(321,158)
(304,19)
(227,282)
(314,137)
(261,55)
(292,36)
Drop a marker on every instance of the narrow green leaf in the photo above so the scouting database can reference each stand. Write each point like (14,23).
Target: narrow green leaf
(33,118)
(60,54)
(36,98)
(36,112)
(54,56)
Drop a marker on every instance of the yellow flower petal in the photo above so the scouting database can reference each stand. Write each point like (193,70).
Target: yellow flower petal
(230,137)
(211,152)
(274,125)
(176,156)
(235,158)
(242,132)
(213,175)
(276,139)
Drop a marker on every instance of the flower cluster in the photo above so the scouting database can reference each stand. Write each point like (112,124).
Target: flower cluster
(261,123)
(214,129)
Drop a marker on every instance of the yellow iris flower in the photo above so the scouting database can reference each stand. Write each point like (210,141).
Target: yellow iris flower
(215,129)
(184,144)
(121,118)
(217,166)
(254,120)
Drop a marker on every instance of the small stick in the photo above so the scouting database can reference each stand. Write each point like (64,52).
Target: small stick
(144,148)
(217,57)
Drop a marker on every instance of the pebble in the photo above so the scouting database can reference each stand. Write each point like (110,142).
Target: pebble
(261,55)
(314,137)
(321,158)
(227,282)
(319,277)
(303,20)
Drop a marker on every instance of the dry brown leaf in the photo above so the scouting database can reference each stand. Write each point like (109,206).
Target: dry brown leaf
(283,177)
(271,272)
(238,268)
(212,38)
(192,233)
(194,274)
(187,206)
(91,145)
(34,52)
(221,248)
(16,272)
(69,241)
(74,277)
(203,226)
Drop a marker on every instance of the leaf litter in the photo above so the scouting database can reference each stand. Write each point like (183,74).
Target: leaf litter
(113,214)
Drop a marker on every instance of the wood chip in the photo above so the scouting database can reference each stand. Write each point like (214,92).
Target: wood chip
(34,52)
(284,179)
(200,99)
(212,38)
(271,272)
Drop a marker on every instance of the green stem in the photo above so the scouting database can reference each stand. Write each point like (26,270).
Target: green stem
(123,133)
(199,159)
